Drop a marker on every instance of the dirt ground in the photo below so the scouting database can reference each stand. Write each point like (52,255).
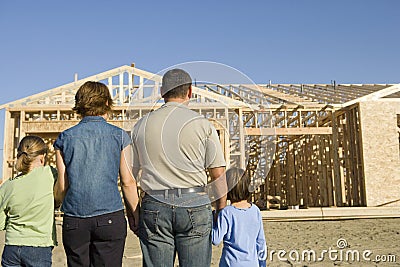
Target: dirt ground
(296,244)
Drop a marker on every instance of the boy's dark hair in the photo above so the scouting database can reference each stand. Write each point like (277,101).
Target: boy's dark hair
(238,182)
(93,99)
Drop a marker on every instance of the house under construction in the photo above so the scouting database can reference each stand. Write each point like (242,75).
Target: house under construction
(316,145)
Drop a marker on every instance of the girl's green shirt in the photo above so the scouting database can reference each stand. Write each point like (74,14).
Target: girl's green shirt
(27,208)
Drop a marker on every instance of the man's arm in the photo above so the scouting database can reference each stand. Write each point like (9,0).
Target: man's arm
(129,189)
(220,188)
(61,185)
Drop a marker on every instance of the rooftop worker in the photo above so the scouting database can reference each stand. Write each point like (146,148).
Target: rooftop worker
(90,156)
(173,147)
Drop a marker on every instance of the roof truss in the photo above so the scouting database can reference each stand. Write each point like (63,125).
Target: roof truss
(130,85)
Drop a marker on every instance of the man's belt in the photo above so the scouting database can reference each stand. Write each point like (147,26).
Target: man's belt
(176,191)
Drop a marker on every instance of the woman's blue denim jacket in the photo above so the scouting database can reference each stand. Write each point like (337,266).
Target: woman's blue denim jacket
(92,152)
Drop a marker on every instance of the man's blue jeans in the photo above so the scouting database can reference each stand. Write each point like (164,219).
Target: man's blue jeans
(172,226)
(14,256)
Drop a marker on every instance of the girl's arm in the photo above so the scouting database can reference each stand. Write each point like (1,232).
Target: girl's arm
(61,185)
(3,220)
(3,215)
(261,245)
(220,228)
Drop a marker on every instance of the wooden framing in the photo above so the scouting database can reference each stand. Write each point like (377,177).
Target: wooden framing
(310,133)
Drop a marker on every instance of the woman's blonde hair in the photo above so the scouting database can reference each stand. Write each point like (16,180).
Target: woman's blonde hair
(93,99)
(28,149)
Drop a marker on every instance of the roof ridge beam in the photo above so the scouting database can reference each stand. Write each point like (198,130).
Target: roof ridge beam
(376,95)
(67,86)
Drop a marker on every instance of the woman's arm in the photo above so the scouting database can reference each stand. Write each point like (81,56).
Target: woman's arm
(129,189)
(61,185)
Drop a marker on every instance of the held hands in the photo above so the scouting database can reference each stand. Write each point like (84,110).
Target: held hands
(133,221)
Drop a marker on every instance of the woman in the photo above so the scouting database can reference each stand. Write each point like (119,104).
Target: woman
(27,208)
(90,156)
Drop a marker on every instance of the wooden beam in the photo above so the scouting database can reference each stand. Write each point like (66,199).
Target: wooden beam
(322,94)
(282,96)
(59,89)
(335,156)
(288,131)
(256,94)
(217,97)
(376,95)
(241,141)
(145,74)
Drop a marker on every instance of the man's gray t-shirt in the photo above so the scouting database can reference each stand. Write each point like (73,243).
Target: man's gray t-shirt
(173,146)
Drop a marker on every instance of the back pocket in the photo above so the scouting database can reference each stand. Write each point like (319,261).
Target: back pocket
(148,227)
(70,224)
(201,220)
(111,227)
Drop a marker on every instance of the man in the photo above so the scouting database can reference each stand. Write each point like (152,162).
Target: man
(173,147)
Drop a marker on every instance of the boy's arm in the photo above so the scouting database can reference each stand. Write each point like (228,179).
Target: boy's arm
(129,189)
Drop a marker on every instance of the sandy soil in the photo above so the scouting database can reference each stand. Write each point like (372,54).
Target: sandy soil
(380,236)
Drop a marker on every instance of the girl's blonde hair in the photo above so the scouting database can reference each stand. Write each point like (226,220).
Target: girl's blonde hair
(28,149)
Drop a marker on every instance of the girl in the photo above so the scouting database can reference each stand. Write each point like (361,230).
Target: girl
(27,208)
(240,226)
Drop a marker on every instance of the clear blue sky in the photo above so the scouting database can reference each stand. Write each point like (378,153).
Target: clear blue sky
(43,43)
